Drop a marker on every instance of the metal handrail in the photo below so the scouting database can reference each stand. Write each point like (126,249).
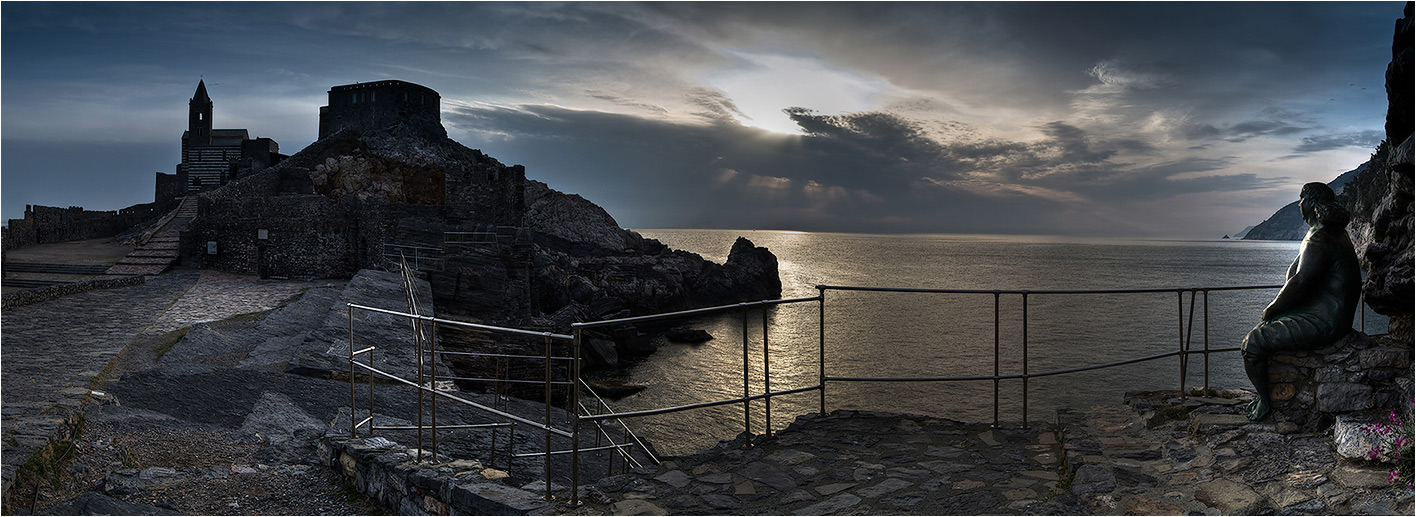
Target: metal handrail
(1044,291)
(579,413)
(690,312)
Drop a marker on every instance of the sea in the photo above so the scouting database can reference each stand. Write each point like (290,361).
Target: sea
(925,335)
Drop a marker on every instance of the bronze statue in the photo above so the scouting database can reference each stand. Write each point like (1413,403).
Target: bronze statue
(1318,299)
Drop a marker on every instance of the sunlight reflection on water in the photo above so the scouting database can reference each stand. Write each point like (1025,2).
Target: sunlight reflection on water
(928,335)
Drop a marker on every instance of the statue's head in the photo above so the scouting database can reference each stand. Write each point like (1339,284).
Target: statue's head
(1320,207)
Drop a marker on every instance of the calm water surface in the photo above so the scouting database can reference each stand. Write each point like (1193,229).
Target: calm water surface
(872,334)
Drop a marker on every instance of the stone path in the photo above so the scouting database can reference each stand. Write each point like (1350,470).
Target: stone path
(1101,460)
(53,350)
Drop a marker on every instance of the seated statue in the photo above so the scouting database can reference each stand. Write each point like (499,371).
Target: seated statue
(1318,299)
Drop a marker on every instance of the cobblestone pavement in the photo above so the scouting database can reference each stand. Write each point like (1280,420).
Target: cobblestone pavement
(54,349)
(1102,460)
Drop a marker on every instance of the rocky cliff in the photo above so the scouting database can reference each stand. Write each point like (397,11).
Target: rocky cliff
(1379,195)
(1381,199)
(495,246)
(1287,223)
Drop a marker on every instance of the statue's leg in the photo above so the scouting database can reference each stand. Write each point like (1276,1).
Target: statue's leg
(1256,364)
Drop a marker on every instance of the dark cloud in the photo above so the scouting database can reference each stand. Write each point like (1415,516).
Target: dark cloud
(1312,144)
(873,172)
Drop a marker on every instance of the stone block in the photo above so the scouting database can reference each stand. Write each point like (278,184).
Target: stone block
(1384,358)
(494,499)
(1343,397)
(1229,497)
(1357,477)
(1282,391)
(1330,373)
(1208,423)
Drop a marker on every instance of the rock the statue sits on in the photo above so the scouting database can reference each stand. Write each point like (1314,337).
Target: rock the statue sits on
(1318,299)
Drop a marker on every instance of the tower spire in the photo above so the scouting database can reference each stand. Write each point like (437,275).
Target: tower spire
(199,116)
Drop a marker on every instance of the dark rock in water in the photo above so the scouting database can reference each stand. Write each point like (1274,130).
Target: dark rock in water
(604,350)
(688,335)
(616,389)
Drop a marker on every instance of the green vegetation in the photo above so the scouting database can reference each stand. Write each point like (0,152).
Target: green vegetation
(45,467)
(1207,392)
(167,341)
(1175,412)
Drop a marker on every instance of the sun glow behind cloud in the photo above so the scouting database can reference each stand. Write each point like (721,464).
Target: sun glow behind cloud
(762,85)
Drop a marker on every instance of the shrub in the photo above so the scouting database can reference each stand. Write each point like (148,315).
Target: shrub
(1395,448)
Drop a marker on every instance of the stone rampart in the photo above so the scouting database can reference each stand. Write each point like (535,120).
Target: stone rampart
(48,224)
(1357,374)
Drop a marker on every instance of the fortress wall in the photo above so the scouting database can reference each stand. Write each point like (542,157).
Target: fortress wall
(308,236)
(48,224)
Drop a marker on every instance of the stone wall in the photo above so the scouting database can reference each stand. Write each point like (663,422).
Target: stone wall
(306,236)
(391,474)
(22,297)
(48,224)
(1357,374)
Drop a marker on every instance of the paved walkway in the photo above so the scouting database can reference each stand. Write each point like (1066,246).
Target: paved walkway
(54,349)
(1101,460)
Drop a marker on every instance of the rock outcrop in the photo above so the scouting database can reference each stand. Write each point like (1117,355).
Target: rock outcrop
(496,247)
(1387,257)
(1379,196)
(1287,223)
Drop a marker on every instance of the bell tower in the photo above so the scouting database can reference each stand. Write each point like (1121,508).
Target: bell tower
(199,117)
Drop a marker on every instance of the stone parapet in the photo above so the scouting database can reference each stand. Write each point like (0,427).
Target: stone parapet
(1356,374)
(393,475)
(24,297)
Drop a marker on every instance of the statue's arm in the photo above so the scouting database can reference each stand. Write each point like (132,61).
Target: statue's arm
(1304,279)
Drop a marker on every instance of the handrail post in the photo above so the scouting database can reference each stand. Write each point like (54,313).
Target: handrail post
(548,418)
(1207,342)
(766,375)
(418,347)
(353,415)
(1025,360)
(575,418)
(746,390)
(996,356)
(821,357)
(433,360)
(1180,318)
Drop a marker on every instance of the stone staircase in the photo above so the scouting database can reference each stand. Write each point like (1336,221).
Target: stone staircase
(159,247)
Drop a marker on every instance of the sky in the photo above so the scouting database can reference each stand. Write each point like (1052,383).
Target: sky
(1151,120)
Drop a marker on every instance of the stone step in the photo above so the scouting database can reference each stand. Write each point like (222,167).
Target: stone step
(131,260)
(134,269)
(64,269)
(144,252)
(26,283)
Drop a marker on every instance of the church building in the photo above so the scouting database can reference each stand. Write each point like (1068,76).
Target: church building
(212,157)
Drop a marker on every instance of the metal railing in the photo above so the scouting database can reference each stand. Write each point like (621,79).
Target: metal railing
(420,258)
(1187,310)
(425,338)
